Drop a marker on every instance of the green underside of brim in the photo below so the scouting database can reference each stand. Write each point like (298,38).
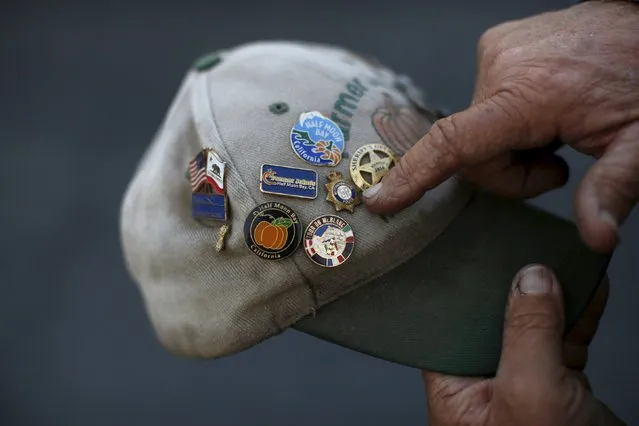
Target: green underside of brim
(443,310)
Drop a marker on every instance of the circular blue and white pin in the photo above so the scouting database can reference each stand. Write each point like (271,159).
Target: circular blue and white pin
(317,139)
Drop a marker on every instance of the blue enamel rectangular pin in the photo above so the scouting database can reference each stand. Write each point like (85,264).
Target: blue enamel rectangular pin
(288,181)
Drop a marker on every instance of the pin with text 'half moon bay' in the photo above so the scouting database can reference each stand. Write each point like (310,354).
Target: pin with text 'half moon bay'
(317,139)
(370,163)
(341,193)
(272,231)
(329,241)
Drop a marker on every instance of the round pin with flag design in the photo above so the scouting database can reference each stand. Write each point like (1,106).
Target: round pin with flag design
(329,241)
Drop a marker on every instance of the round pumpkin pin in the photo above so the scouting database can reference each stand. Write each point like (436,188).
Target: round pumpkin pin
(272,231)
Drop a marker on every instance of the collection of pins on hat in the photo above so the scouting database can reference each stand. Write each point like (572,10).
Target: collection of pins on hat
(273,230)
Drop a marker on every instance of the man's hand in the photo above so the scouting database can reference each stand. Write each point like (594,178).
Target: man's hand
(569,76)
(539,380)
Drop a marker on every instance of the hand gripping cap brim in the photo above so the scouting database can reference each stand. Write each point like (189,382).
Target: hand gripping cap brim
(444,309)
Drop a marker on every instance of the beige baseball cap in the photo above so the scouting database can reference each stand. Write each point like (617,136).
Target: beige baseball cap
(242,219)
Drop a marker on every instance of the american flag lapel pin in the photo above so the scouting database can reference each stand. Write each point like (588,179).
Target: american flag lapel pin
(208,192)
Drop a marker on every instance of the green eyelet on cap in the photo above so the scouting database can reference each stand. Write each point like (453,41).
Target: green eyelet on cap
(208,61)
(278,108)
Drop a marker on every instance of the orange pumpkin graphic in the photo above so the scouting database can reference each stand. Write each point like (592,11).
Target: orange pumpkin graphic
(400,127)
(273,234)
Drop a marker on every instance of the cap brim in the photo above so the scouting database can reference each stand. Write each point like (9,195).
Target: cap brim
(443,310)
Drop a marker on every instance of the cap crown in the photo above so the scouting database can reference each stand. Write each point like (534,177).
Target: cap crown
(205,303)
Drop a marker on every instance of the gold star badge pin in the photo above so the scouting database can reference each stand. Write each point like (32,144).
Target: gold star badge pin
(342,194)
(370,163)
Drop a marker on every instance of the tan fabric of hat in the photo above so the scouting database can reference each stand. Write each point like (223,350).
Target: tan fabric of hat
(208,304)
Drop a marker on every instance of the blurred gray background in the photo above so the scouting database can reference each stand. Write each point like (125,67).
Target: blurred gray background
(84,86)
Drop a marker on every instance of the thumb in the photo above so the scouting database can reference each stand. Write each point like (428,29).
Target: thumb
(532,344)
(609,191)
(481,132)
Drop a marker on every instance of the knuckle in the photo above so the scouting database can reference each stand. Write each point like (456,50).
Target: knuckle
(515,103)
(485,42)
(402,171)
(493,36)
(524,87)
(516,58)
(445,132)
(617,182)
(412,176)
(521,323)
(433,156)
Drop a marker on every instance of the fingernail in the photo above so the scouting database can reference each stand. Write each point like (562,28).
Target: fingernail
(372,191)
(534,279)
(609,220)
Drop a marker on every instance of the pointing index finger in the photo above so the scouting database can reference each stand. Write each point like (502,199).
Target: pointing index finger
(482,131)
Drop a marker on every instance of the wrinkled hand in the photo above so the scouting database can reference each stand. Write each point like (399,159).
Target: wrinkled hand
(539,379)
(569,76)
